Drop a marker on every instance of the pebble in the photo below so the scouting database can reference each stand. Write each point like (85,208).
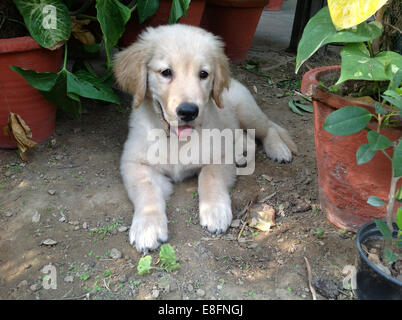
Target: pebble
(49,242)
(122,278)
(235,223)
(9,214)
(23,283)
(155,293)
(84,225)
(122,229)
(68,279)
(76,228)
(74,223)
(200,292)
(115,254)
(36,217)
(219,287)
(190,288)
(35,287)
(51,192)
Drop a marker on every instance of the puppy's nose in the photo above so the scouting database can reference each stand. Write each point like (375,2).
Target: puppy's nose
(187,111)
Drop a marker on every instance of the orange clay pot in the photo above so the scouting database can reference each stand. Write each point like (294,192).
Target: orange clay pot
(274,5)
(17,96)
(344,186)
(235,21)
(161,17)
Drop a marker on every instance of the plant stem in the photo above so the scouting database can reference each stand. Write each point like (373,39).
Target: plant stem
(370,49)
(391,201)
(86,16)
(65,57)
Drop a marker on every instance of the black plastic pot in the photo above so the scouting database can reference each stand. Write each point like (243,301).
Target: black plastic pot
(371,282)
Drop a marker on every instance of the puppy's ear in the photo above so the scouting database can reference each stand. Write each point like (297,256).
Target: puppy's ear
(222,77)
(130,71)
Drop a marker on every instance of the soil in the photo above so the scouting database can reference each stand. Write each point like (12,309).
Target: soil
(70,191)
(11,28)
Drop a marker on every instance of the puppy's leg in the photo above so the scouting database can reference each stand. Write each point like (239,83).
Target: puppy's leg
(278,144)
(214,183)
(148,190)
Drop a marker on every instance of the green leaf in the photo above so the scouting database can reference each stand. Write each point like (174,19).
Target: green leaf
(47,26)
(320,31)
(168,258)
(364,154)
(112,16)
(293,107)
(358,65)
(347,120)
(396,81)
(179,9)
(383,228)
(390,256)
(92,48)
(398,196)
(399,217)
(378,141)
(44,81)
(379,109)
(397,160)
(146,8)
(144,265)
(305,107)
(89,86)
(393,98)
(375,201)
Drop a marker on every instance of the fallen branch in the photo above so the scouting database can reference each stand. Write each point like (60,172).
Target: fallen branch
(313,293)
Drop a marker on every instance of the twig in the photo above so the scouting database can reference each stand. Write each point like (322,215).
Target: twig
(310,279)
(267,197)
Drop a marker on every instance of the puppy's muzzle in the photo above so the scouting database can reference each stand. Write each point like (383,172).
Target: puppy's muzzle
(187,111)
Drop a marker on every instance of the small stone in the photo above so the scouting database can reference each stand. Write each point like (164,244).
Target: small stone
(91,264)
(23,283)
(49,242)
(84,225)
(76,228)
(9,214)
(235,223)
(155,293)
(200,292)
(113,231)
(190,288)
(51,192)
(74,223)
(219,287)
(122,229)
(36,217)
(68,279)
(62,219)
(35,287)
(122,278)
(115,254)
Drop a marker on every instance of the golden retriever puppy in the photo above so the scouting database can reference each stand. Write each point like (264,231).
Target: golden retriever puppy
(180,81)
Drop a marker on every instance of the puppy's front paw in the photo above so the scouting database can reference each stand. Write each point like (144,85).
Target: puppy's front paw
(148,231)
(275,148)
(216,217)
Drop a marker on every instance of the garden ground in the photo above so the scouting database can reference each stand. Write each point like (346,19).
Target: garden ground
(70,191)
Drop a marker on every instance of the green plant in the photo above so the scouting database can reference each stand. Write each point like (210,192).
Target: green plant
(166,257)
(53,22)
(382,72)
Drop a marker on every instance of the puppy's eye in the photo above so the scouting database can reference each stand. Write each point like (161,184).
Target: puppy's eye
(167,73)
(203,74)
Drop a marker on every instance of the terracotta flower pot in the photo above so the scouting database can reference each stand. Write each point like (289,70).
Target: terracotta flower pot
(274,5)
(344,186)
(17,96)
(235,21)
(161,17)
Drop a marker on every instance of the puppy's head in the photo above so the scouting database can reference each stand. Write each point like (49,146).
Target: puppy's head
(180,68)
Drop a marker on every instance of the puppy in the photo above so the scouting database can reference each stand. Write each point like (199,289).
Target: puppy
(180,81)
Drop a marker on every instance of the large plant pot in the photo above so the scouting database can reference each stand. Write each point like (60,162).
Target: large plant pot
(161,17)
(344,186)
(235,21)
(371,282)
(17,96)
(274,5)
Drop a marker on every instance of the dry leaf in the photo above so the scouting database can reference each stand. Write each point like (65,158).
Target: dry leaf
(80,33)
(17,128)
(261,216)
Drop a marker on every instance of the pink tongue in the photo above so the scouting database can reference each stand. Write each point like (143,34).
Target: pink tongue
(184,131)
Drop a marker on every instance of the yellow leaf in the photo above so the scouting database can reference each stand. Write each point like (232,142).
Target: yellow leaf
(349,13)
(17,128)
(80,33)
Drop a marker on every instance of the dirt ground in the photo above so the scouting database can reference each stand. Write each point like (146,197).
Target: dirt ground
(71,192)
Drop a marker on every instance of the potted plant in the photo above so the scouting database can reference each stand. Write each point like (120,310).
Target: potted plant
(50,24)
(274,5)
(235,21)
(158,12)
(358,144)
